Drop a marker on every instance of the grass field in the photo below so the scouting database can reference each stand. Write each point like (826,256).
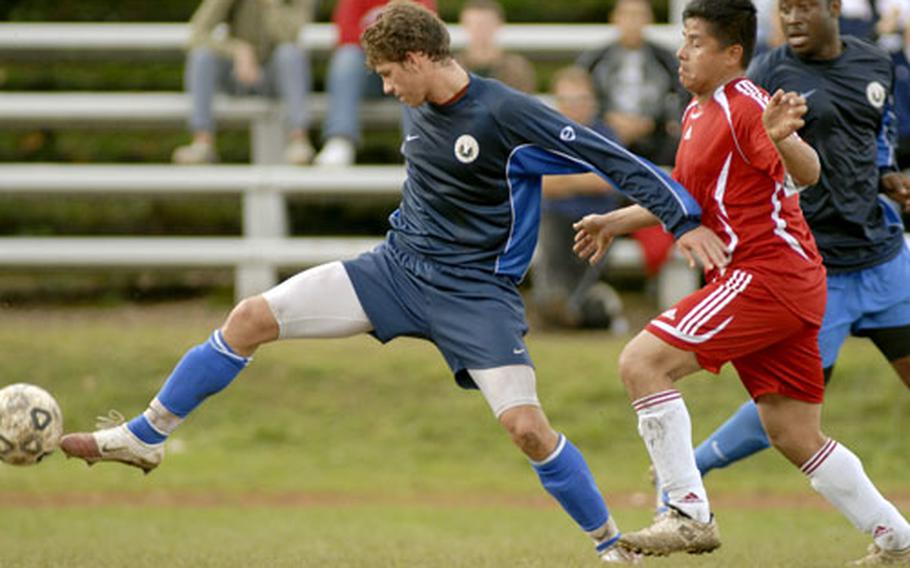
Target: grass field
(347,453)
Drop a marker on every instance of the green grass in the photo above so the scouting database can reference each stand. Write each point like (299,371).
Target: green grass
(386,536)
(348,453)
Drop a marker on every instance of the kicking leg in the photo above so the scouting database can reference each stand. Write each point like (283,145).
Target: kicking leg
(648,368)
(320,302)
(834,471)
(512,394)
(743,435)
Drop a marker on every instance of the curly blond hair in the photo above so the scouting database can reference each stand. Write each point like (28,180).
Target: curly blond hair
(404,27)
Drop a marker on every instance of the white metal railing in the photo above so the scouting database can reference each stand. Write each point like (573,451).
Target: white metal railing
(264,245)
(120,110)
(125,109)
(169,41)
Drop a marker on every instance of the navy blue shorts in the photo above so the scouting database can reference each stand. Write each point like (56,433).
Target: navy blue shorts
(475,319)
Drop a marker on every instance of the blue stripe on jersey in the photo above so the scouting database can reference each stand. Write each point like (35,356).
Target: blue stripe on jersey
(524,198)
(688,203)
(892,215)
(887,137)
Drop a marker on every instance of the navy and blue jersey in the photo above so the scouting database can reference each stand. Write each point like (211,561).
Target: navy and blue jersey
(474,166)
(852,127)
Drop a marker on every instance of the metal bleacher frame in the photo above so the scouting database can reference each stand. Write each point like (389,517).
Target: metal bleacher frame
(264,245)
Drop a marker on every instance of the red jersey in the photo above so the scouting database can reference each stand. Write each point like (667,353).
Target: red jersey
(352,17)
(730,166)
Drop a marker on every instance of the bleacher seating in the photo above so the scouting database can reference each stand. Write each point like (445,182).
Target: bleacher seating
(168,41)
(264,245)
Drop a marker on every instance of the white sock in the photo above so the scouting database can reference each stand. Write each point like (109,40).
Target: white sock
(664,425)
(161,419)
(838,475)
(605,536)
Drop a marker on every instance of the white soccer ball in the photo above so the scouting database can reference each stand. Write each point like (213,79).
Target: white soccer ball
(30,424)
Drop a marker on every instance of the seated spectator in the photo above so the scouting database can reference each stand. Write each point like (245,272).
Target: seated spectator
(349,81)
(482,20)
(258,55)
(568,292)
(637,85)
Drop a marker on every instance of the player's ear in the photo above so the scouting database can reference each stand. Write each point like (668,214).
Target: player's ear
(411,60)
(735,53)
(834,7)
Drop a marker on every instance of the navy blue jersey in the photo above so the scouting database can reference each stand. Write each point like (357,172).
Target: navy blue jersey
(474,166)
(851,125)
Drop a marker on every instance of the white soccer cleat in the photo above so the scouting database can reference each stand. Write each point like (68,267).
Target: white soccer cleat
(116,444)
(878,556)
(673,532)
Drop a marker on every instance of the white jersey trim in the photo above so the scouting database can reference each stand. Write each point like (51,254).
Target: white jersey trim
(720,96)
(688,327)
(720,192)
(780,226)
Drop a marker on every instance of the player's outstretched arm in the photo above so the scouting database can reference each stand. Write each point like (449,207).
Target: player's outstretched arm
(595,233)
(782,118)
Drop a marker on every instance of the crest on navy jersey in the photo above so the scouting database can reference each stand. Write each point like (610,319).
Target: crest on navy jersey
(466,149)
(876,94)
(567,134)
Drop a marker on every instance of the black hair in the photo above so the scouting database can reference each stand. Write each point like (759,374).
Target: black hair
(731,22)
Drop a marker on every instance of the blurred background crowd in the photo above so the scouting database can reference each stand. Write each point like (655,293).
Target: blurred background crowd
(624,87)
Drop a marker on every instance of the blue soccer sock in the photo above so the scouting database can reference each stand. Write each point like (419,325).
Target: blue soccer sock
(566,476)
(737,438)
(204,370)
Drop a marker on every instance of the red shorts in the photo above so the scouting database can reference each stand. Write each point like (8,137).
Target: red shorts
(737,319)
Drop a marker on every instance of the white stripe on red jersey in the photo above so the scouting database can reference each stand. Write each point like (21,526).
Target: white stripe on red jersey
(731,167)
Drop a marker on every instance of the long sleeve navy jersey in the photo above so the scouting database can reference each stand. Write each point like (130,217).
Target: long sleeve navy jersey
(851,125)
(474,166)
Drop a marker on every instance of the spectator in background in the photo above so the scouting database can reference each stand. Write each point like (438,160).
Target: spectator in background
(258,55)
(482,20)
(895,17)
(768,32)
(637,85)
(349,81)
(858,18)
(568,292)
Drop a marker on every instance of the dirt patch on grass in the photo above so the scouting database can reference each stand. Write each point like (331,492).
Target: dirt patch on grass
(201,499)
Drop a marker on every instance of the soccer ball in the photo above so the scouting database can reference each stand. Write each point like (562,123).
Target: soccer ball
(30,424)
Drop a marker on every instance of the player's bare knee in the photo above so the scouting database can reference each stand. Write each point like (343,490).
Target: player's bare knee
(634,366)
(778,436)
(249,325)
(528,429)
(796,444)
